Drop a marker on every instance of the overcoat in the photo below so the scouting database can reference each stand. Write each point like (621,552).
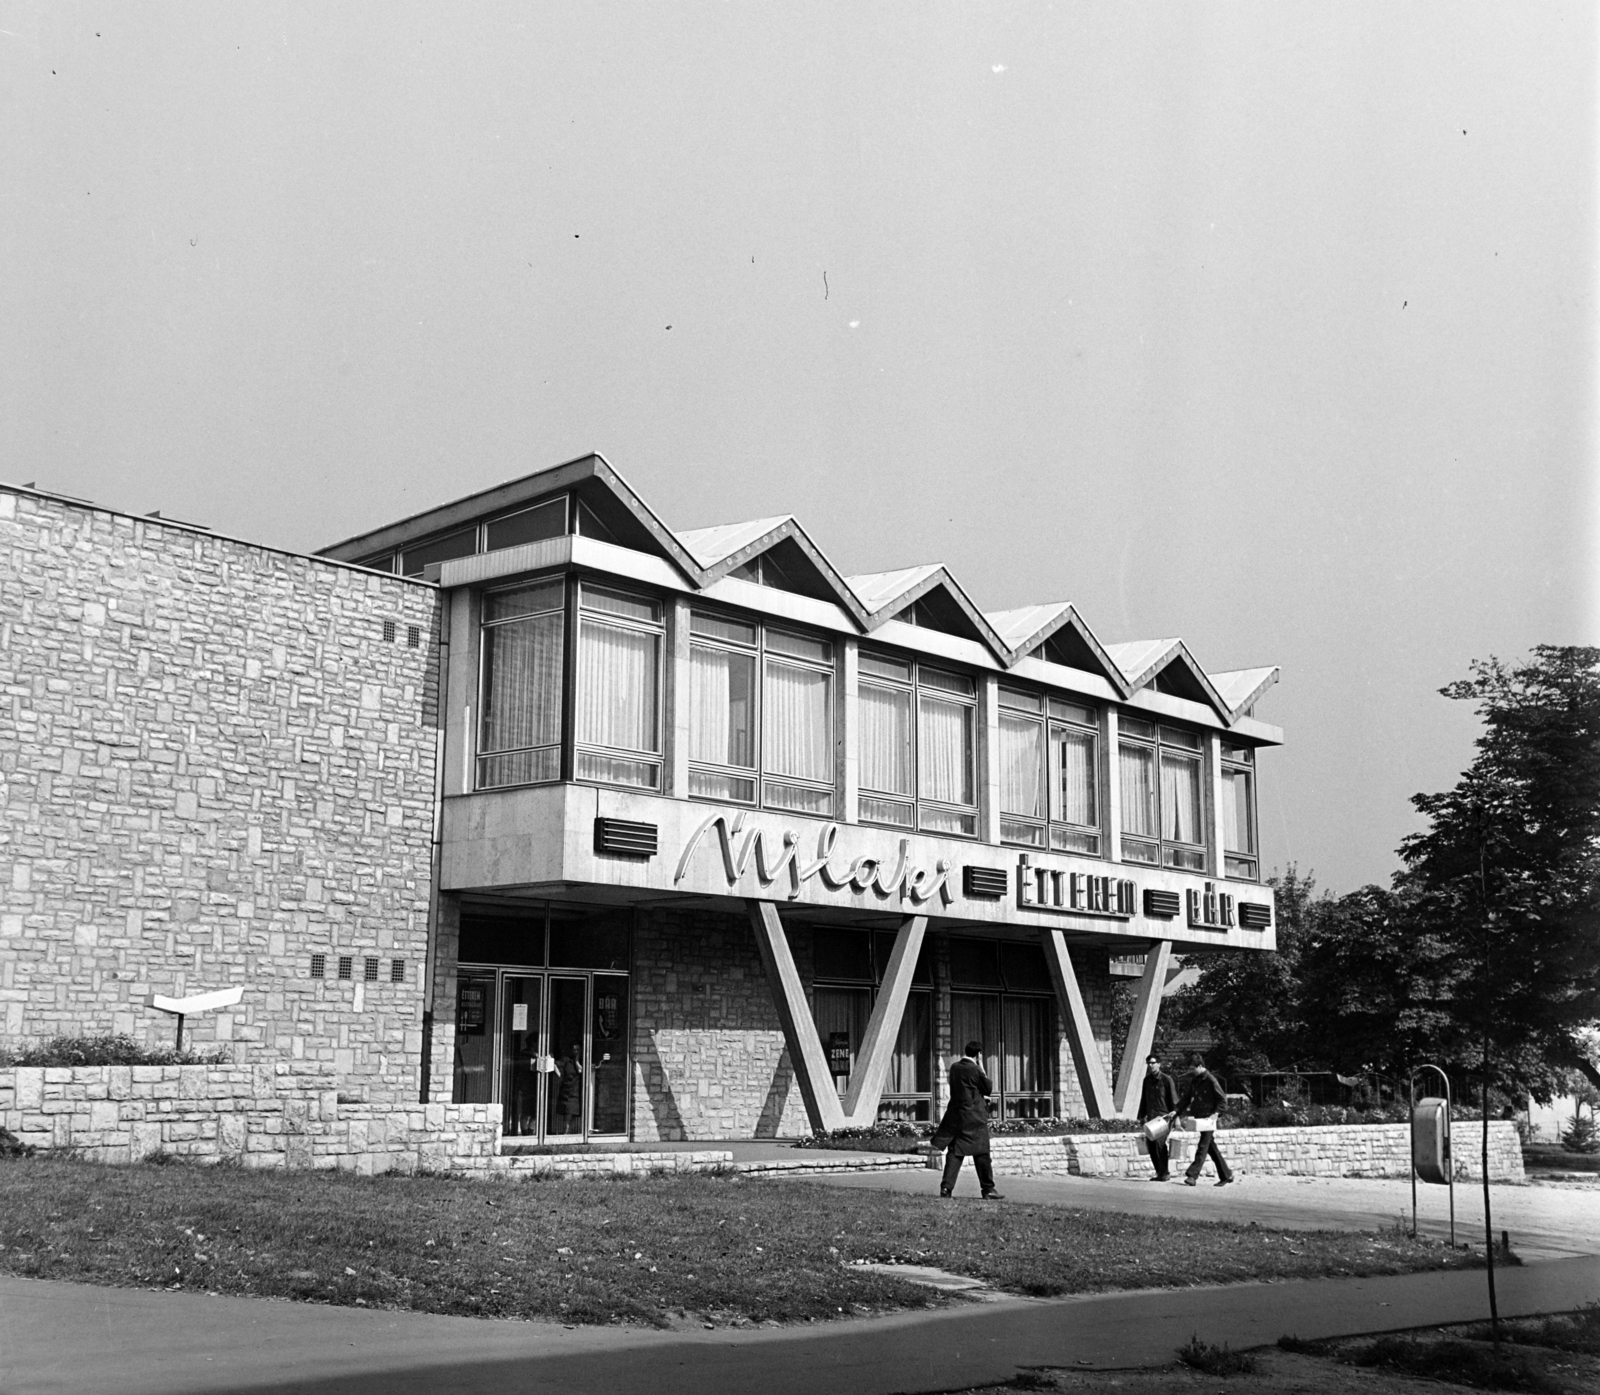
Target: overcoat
(964,1130)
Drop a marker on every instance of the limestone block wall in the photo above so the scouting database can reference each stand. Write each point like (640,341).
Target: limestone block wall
(281,1115)
(219,760)
(1333,1150)
(709,1059)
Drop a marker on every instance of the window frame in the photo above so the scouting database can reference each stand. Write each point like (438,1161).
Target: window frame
(760,652)
(657,629)
(1053,715)
(915,801)
(1169,852)
(481,753)
(1241,864)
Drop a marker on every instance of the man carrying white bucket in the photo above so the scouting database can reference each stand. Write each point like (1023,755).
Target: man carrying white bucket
(1158,1101)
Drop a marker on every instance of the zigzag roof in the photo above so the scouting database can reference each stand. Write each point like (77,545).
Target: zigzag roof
(705,555)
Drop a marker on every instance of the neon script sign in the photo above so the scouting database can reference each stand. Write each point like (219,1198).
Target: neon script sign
(754,849)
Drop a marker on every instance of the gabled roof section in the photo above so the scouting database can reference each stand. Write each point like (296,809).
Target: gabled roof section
(590,478)
(1055,632)
(728,546)
(1241,687)
(944,605)
(1168,666)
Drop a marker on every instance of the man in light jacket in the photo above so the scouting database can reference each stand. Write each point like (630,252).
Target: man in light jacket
(1203,1096)
(1157,1099)
(964,1130)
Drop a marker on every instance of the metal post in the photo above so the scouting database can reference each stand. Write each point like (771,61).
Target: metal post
(1450,1170)
(180,1031)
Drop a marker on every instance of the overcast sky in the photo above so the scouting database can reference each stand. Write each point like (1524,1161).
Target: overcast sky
(1269,326)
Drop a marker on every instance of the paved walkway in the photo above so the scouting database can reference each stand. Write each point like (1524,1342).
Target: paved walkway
(1545,1220)
(73,1339)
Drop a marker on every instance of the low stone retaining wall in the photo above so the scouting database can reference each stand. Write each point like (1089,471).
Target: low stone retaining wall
(1332,1150)
(611,1164)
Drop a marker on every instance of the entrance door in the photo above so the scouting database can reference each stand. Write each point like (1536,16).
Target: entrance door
(566,1090)
(523,1053)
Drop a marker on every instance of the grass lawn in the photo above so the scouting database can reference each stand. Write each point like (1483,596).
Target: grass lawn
(659,1251)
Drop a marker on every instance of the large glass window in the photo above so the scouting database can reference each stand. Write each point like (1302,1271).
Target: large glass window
(619,685)
(1014,1020)
(1239,812)
(520,738)
(917,755)
(1162,810)
(1049,773)
(760,715)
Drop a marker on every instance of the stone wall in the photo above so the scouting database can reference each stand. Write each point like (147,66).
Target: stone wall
(280,1115)
(220,760)
(1334,1150)
(709,1059)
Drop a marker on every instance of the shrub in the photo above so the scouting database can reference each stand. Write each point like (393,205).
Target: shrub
(115,1050)
(1580,1135)
(1215,1360)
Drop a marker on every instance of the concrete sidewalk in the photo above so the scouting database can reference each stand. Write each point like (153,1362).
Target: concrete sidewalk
(74,1339)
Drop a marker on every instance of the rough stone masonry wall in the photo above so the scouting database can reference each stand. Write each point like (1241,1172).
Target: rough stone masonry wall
(709,1059)
(215,765)
(1334,1150)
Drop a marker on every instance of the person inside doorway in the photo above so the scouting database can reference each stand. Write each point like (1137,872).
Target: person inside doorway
(566,1110)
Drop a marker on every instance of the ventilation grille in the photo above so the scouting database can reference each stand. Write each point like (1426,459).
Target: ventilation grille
(1254,916)
(1164,905)
(370,971)
(624,838)
(346,966)
(397,971)
(413,637)
(987,883)
(319,965)
(388,631)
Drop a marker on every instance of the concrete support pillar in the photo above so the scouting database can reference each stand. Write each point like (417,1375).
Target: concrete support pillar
(883,1027)
(806,1055)
(1142,1029)
(1079,1030)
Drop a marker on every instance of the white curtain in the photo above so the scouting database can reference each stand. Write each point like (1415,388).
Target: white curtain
(1180,798)
(885,715)
(522,684)
(1021,767)
(944,751)
(1078,803)
(1238,831)
(721,685)
(1138,769)
(617,691)
(796,736)
(910,1066)
(1026,1024)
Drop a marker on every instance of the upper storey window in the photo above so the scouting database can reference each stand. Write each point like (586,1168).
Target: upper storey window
(520,739)
(619,688)
(1161,805)
(1049,773)
(1239,811)
(917,766)
(760,715)
(549,518)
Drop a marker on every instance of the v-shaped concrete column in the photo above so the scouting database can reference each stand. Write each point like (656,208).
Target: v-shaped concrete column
(809,1060)
(883,1027)
(1092,1076)
(1142,1029)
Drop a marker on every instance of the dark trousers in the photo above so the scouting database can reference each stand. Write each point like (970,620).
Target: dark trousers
(952,1169)
(1207,1148)
(1159,1153)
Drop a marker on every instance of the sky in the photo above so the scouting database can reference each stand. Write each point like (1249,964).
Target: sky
(1269,326)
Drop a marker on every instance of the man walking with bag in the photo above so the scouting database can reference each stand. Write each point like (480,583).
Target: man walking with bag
(1158,1100)
(1203,1096)
(964,1130)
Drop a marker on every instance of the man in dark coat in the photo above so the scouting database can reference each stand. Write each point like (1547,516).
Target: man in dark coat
(1157,1099)
(964,1130)
(1203,1096)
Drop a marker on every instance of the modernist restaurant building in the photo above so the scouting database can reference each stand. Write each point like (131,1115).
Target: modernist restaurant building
(649,835)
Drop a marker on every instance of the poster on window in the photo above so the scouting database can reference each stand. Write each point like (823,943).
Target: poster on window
(608,1015)
(519,1017)
(839,1053)
(471,1001)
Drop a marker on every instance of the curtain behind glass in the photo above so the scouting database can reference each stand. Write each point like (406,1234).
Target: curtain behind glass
(944,751)
(885,715)
(522,684)
(721,689)
(1137,765)
(796,736)
(975,1016)
(909,1068)
(1021,767)
(1180,798)
(1238,834)
(1078,803)
(1028,1046)
(617,691)
(843,1010)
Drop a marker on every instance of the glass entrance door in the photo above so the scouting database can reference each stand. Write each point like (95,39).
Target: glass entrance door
(523,1053)
(566,1089)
